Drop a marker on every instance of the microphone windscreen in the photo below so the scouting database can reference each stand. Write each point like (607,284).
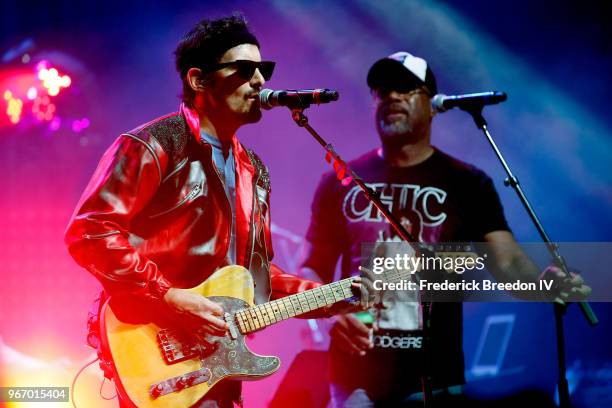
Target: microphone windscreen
(437,103)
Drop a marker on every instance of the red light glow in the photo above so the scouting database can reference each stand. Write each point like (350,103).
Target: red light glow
(43,109)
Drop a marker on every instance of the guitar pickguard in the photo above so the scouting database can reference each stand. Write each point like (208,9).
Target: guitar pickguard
(232,357)
(220,357)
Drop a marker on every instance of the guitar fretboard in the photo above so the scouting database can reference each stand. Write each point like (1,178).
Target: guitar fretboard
(260,316)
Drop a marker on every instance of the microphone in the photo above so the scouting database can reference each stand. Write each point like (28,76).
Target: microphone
(295,98)
(442,103)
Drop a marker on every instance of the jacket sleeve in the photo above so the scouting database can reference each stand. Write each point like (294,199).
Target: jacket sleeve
(97,236)
(284,284)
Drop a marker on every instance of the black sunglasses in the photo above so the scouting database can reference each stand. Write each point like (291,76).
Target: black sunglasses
(246,68)
(382,92)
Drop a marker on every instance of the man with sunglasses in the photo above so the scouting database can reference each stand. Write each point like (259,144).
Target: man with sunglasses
(438,199)
(179,197)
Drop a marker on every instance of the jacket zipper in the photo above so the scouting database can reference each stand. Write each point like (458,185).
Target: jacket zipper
(194,192)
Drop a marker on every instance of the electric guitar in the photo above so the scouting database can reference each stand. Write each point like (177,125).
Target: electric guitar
(156,363)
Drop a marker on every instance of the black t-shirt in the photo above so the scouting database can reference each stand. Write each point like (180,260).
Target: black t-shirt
(441,199)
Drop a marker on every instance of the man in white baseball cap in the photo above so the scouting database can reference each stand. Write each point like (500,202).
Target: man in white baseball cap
(403,72)
(438,199)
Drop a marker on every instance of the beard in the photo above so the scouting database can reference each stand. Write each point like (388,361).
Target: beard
(401,123)
(398,133)
(395,128)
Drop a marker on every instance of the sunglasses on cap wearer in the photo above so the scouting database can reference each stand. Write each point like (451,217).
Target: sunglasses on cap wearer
(246,68)
(384,91)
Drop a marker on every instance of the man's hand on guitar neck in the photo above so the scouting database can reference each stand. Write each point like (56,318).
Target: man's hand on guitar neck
(197,309)
(363,289)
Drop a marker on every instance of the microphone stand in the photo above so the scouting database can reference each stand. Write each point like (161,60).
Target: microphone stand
(297,114)
(475,110)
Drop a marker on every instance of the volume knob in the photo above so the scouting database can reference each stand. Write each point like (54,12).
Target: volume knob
(157,390)
(181,383)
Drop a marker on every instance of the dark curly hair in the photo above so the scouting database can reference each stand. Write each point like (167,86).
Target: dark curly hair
(205,44)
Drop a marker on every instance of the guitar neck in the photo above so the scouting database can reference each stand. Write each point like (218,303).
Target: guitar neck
(260,316)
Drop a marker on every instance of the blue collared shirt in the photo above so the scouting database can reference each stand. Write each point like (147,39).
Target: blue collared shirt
(227,172)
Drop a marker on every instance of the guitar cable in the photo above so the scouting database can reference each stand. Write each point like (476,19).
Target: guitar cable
(102,396)
(75,380)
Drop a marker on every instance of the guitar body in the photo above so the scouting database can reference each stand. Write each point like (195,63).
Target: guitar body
(159,364)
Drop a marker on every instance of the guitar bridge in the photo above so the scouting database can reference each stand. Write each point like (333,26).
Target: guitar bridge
(176,348)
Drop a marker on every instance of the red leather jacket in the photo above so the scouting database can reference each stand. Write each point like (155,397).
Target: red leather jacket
(155,214)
